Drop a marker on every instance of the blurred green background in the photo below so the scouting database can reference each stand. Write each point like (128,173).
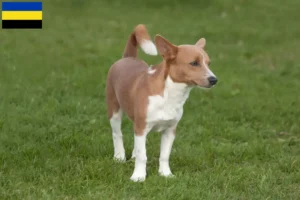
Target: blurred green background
(240,140)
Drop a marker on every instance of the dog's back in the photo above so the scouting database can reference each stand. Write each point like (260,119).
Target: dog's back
(124,75)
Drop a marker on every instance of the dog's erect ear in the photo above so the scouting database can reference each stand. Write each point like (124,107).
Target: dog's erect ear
(165,48)
(201,43)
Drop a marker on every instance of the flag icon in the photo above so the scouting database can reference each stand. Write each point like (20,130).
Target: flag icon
(22,15)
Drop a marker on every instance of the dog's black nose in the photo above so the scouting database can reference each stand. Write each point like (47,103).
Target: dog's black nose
(212,80)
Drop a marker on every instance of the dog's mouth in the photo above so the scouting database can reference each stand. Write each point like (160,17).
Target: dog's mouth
(209,86)
(205,87)
(203,84)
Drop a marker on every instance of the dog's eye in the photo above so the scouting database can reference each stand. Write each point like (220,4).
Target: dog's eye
(195,63)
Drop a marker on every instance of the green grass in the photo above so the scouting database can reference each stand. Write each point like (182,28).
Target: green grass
(240,140)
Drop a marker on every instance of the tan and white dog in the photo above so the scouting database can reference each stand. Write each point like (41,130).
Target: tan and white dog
(153,97)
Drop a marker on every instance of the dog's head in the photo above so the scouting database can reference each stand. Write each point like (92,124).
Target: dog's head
(187,63)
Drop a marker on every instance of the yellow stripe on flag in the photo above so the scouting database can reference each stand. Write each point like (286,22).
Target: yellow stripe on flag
(22,15)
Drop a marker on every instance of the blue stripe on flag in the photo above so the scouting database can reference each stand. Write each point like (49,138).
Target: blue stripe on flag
(21,6)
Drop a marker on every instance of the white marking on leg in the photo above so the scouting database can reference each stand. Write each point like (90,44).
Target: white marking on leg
(115,122)
(167,140)
(148,47)
(139,173)
(133,153)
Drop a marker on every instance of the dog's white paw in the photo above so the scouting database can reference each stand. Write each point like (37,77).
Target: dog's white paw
(119,158)
(166,173)
(138,177)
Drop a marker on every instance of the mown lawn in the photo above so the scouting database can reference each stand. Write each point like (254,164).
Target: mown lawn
(240,140)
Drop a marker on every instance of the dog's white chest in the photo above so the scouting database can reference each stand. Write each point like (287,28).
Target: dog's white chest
(165,111)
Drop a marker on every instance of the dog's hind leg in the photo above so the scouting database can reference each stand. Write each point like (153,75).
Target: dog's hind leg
(115,122)
(115,118)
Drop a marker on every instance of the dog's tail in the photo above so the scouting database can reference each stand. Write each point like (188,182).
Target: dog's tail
(139,37)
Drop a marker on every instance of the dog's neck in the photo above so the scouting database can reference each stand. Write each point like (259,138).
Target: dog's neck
(162,84)
(176,93)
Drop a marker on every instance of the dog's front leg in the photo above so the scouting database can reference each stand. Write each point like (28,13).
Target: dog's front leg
(139,173)
(167,139)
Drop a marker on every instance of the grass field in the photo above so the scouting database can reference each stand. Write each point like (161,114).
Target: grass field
(240,140)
